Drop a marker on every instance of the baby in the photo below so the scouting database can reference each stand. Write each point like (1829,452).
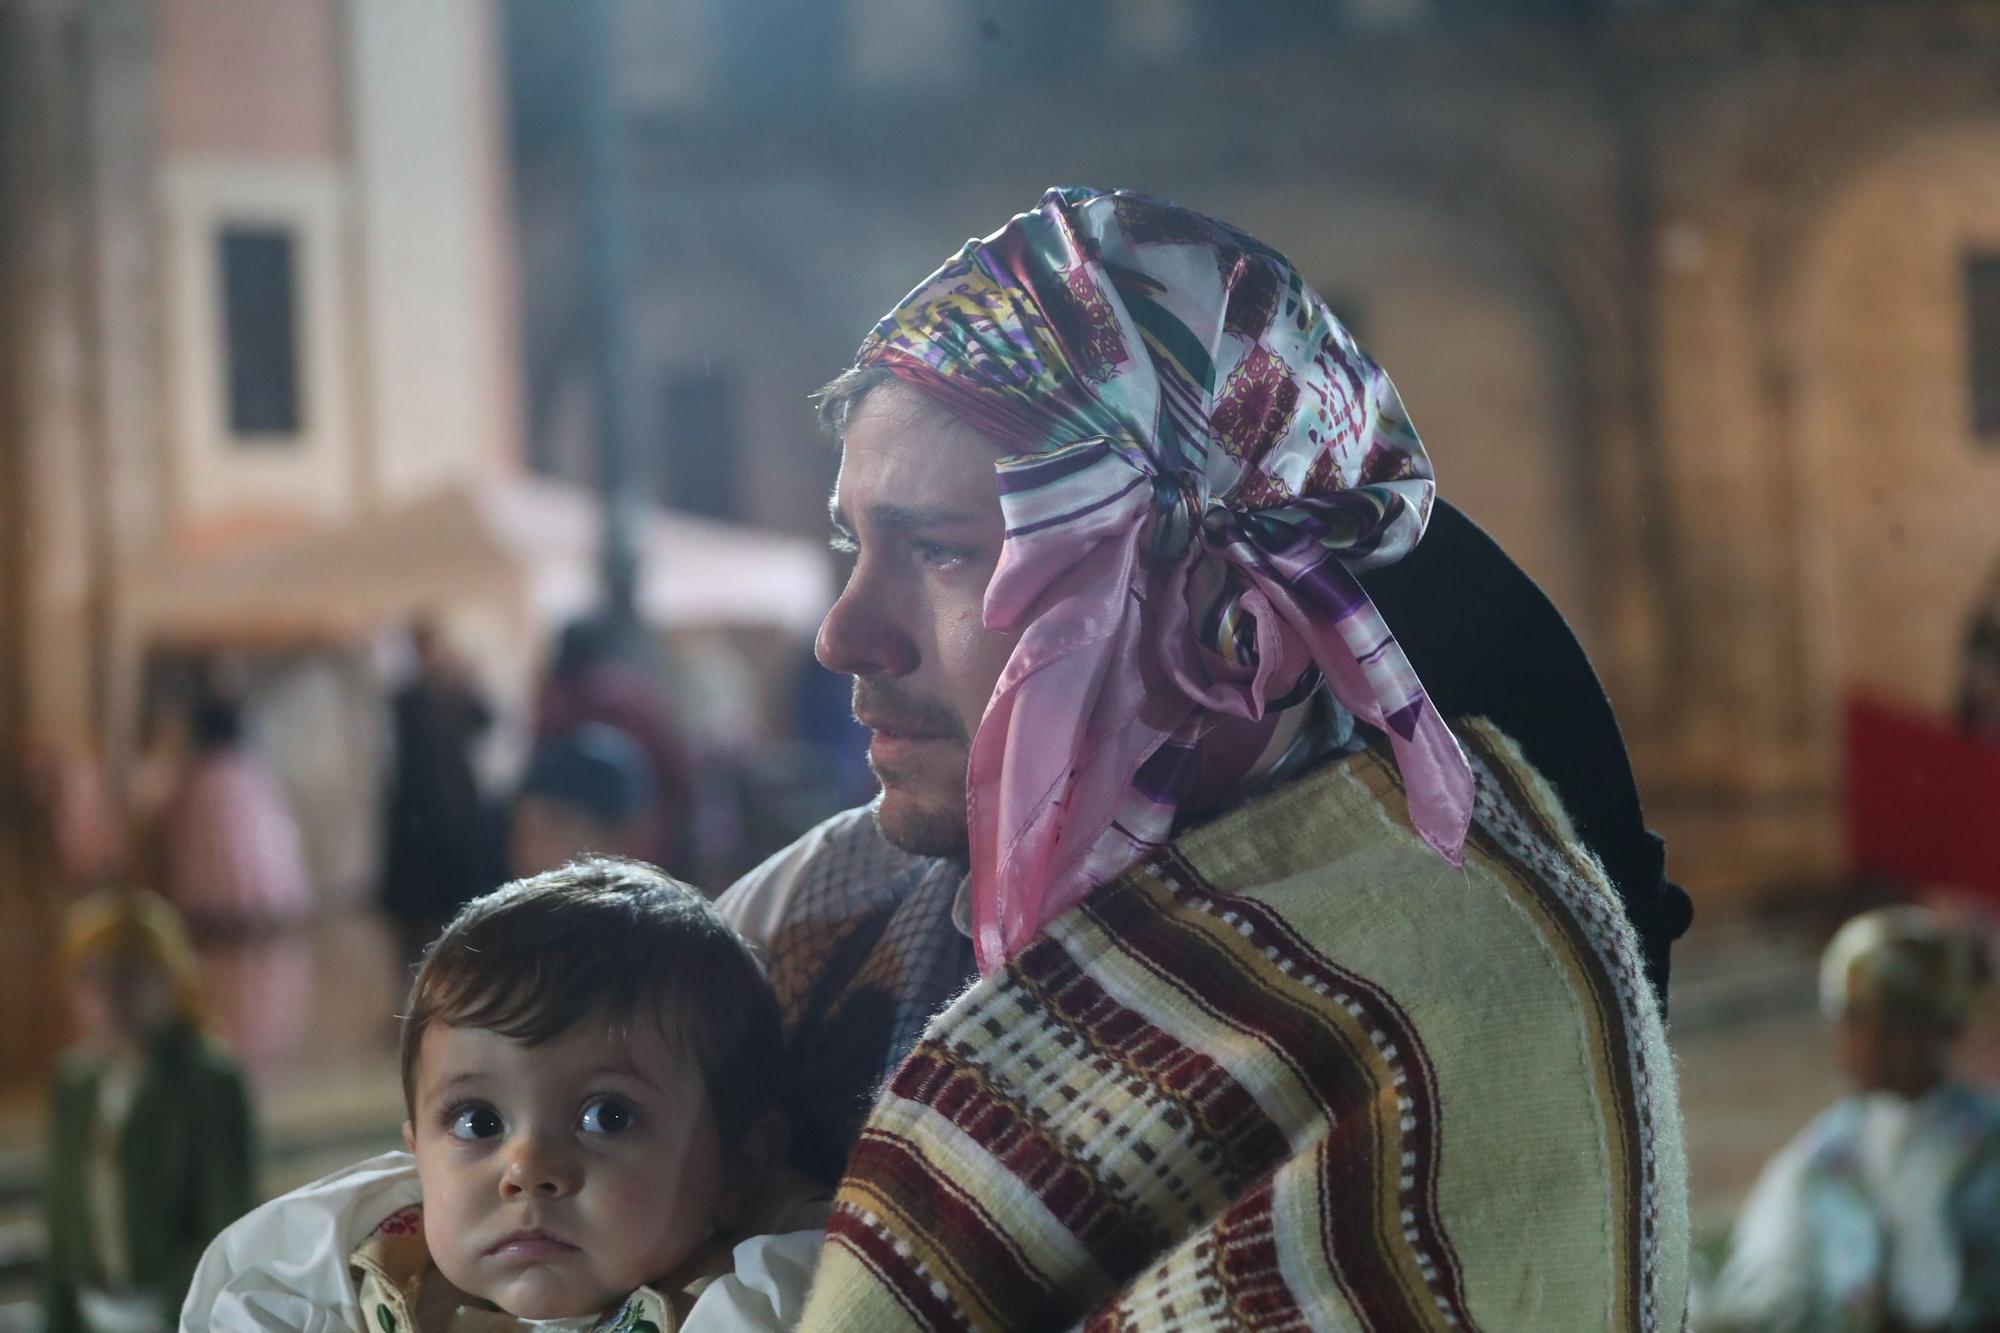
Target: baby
(590,1066)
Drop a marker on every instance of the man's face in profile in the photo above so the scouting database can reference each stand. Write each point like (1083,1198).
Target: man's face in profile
(917,505)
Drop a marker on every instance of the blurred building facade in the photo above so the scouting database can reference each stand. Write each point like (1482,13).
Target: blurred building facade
(260,392)
(259,284)
(1694,304)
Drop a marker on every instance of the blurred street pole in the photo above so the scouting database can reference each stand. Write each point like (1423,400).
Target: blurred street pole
(623,474)
(36,399)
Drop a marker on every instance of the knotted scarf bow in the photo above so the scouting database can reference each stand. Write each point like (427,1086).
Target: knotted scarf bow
(1204,458)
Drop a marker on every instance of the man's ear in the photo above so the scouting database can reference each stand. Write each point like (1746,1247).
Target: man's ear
(409,1136)
(754,1164)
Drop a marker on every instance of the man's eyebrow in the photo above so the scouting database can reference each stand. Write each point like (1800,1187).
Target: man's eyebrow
(899,518)
(911,518)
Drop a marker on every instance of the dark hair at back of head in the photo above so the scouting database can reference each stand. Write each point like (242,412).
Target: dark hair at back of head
(596,769)
(215,722)
(602,937)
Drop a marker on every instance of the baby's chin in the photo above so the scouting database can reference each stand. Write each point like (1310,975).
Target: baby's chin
(537,1293)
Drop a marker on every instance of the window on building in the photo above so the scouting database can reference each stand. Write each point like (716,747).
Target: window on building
(260,332)
(1982,304)
(703,456)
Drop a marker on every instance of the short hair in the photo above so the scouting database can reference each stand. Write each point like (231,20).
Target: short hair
(604,935)
(596,769)
(839,398)
(215,722)
(1902,963)
(127,927)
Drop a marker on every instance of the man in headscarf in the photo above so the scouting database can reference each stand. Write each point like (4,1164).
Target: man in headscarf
(1279,1001)
(1884,1212)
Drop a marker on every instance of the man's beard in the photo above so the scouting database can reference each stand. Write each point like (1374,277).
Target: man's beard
(922,812)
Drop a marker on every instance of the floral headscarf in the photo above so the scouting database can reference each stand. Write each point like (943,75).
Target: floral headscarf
(1194,429)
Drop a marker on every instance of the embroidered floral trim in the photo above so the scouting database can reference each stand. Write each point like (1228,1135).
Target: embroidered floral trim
(403,1222)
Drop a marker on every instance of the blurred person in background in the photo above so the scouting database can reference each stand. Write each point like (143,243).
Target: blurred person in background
(437,829)
(74,802)
(836,745)
(1884,1212)
(586,791)
(233,861)
(1979,686)
(151,1144)
(593,678)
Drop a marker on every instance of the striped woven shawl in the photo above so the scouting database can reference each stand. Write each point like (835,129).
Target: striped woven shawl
(1293,1072)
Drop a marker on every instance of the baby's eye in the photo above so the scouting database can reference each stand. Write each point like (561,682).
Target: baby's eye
(475,1122)
(607,1115)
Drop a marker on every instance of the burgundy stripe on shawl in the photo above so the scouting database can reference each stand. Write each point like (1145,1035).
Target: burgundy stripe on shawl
(960,1092)
(1312,1046)
(893,1271)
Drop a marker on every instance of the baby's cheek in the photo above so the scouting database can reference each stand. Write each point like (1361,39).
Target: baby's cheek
(449,1228)
(658,1226)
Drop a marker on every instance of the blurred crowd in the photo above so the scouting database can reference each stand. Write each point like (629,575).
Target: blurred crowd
(241,809)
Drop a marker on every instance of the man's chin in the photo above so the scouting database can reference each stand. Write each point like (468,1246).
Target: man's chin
(922,828)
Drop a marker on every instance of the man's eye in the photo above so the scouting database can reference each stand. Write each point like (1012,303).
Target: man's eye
(606,1115)
(843,543)
(939,556)
(475,1122)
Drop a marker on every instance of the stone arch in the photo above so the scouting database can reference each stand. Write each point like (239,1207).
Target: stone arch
(1900,501)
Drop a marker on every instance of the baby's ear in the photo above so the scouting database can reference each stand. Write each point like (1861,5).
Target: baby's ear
(409,1137)
(754,1163)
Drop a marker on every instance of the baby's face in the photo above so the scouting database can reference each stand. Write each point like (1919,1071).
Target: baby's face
(559,1177)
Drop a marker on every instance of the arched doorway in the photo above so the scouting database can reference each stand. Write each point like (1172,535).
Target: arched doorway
(1904,490)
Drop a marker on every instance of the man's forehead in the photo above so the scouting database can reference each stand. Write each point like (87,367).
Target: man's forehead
(905,462)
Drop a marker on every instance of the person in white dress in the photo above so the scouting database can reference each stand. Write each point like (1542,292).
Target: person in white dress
(1884,1212)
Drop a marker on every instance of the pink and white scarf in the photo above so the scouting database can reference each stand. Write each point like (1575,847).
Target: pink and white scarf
(1204,459)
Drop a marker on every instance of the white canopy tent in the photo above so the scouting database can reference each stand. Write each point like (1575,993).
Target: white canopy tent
(502,566)
(528,544)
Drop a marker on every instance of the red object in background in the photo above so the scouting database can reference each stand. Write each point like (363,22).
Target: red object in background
(1923,800)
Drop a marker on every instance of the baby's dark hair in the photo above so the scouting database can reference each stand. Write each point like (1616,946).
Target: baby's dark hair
(612,938)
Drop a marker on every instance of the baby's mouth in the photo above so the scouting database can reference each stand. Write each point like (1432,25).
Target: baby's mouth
(528,1246)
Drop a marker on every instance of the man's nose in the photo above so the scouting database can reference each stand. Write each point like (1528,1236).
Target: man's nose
(864,634)
(539,1169)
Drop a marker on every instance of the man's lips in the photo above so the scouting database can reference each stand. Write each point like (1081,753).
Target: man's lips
(889,751)
(529,1245)
(886,730)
